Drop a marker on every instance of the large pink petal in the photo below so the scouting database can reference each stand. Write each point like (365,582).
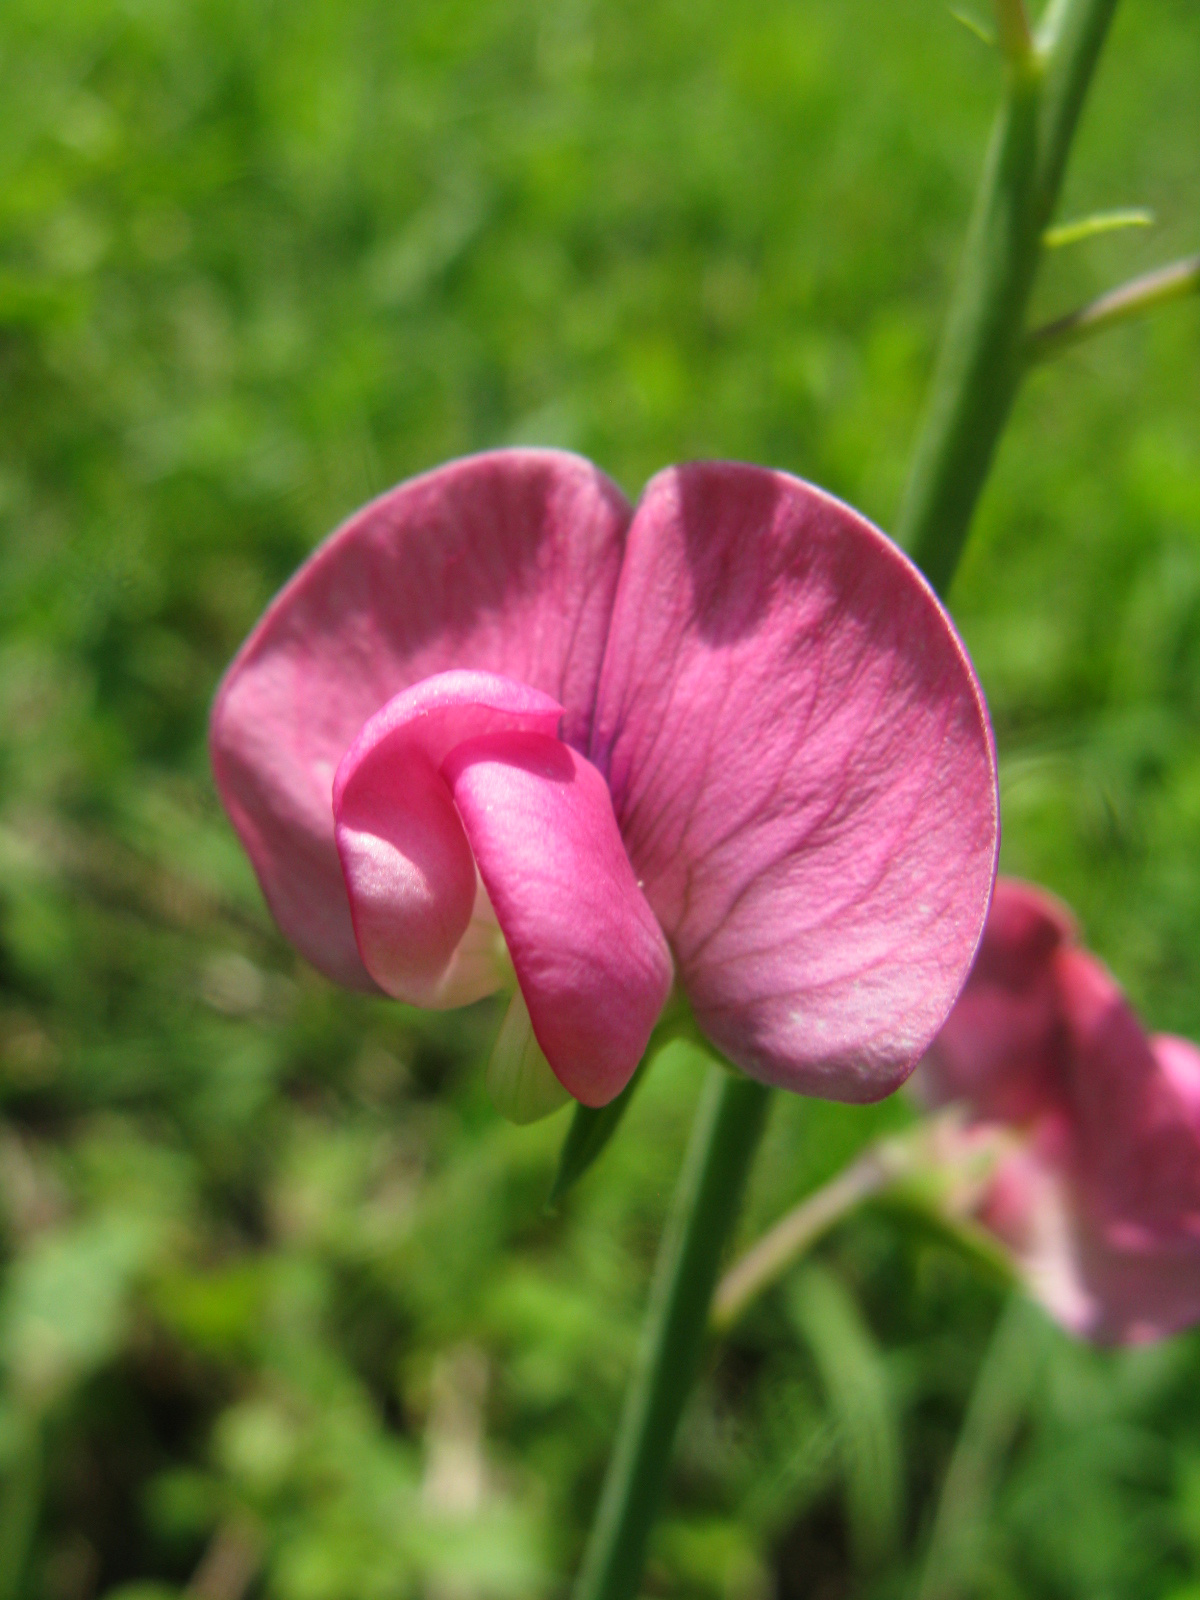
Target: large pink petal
(504,562)
(1003,1047)
(590,958)
(803,772)
(408,868)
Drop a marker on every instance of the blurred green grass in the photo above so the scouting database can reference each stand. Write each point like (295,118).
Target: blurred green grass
(281,1310)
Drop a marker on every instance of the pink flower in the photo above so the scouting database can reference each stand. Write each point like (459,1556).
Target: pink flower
(730,737)
(1099,1197)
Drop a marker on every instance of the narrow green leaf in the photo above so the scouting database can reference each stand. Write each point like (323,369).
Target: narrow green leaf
(591,1129)
(1099,222)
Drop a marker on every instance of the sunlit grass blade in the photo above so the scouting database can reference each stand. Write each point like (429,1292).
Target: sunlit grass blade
(862,1406)
(1001,1396)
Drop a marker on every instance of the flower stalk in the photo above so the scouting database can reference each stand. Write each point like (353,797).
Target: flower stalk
(725,1135)
(931,1169)
(871,1173)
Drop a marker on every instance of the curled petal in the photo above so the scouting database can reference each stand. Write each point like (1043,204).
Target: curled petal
(1099,1198)
(1138,1293)
(1102,1277)
(408,868)
(505,563)
(590,958)
(1136,1112)
(802,768)
(1003,1047)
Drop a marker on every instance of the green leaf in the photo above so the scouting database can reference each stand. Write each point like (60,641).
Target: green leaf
(973,25)
(66,1302)
(591,1129)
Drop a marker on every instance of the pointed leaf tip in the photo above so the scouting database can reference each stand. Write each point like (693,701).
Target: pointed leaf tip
(591,1129)
(973,25)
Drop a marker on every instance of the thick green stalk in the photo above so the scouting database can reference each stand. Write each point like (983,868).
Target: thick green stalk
(1069,42)
(724,1138)
(980,365)
(981,361)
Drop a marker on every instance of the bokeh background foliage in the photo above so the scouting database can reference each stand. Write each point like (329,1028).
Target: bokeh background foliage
(282,1312)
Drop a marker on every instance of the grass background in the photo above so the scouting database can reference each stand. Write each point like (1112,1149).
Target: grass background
(281,1312)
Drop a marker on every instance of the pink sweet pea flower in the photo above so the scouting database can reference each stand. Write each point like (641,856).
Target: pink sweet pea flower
(1098,1198)
(730,738)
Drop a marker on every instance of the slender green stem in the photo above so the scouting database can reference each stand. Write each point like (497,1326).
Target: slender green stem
(1132,299)
(981,362)
(724,1138)
(799,1230)
(979,366)
(930,1169)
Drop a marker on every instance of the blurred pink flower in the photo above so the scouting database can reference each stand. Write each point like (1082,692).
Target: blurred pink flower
(1099,1196)
(730,735)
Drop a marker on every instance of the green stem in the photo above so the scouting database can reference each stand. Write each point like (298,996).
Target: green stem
(927,1169)
(981,362)
(800,1229)
(728,1126)
(1069,41)
(20,1500)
